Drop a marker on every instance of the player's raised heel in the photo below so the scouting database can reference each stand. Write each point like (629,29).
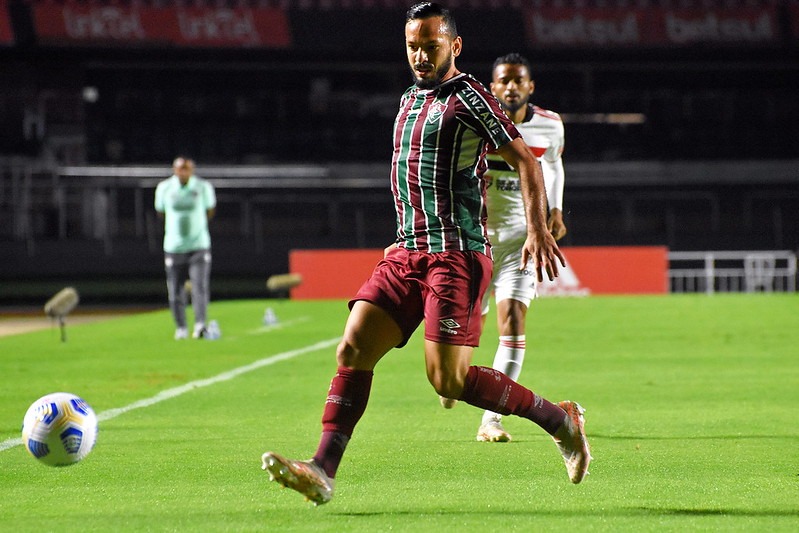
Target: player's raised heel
(303,476)
(572,442)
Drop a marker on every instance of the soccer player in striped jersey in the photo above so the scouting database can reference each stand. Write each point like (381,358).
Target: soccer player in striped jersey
(441,265)
(514,289)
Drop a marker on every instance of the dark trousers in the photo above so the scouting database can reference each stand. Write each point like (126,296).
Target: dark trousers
(194,266)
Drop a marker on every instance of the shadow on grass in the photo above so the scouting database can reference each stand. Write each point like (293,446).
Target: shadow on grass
(695,437)
(536,439)
(630,511)
(717,512)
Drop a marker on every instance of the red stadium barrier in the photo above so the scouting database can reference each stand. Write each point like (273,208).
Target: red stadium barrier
(6,34)
(611,270)
(195,26)
(329,274)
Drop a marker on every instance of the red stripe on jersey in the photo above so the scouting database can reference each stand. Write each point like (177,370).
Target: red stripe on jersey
(546,113)
(537,152)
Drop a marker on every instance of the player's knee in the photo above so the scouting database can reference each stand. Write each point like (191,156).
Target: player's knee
(449,389)
(512,326)
(349,355)
(345,354)
(514,319)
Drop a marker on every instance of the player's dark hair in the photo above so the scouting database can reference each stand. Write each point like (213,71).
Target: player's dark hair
(426,10)
(514,58)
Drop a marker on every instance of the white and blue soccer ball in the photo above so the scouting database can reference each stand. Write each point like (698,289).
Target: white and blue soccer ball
(59,429)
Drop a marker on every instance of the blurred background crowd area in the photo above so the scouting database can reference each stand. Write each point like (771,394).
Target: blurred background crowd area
(681,116)
(699,79)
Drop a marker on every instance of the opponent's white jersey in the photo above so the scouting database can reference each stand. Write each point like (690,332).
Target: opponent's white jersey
(542,131)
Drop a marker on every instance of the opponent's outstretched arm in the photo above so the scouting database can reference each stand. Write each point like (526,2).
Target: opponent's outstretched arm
(540,244)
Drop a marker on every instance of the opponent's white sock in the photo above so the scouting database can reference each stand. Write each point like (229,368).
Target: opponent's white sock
(508,360)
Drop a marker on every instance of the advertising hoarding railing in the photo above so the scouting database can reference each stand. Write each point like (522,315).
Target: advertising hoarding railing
(732,271)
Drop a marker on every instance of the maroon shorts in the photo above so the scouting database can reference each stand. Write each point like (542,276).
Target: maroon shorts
(444,289)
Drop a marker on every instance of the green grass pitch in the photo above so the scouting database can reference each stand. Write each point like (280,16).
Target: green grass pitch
(691,413)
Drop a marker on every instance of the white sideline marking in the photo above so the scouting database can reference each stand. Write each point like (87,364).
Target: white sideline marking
(190,386)
(278,325)
(272,327)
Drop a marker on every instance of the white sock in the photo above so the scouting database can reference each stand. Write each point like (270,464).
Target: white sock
(508,360)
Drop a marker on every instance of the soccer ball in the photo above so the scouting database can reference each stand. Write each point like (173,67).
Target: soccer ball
(59,429)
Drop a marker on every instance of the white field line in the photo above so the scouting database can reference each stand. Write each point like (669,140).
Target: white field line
(278,325)
(192,385)
(260,330)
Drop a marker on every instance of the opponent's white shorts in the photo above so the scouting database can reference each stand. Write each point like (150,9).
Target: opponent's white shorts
(510,283)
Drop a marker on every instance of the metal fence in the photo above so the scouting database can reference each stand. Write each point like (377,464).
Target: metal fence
(732,271)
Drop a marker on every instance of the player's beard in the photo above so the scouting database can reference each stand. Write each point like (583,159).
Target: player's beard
(512,108)
(429,83)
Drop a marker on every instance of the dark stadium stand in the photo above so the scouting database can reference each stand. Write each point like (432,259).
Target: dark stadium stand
(715,99)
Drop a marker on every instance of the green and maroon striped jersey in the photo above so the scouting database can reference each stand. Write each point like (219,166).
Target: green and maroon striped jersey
(441,136)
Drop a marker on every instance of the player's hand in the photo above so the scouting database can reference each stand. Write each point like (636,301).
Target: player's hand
(387,249)
(555,224)
(542,248)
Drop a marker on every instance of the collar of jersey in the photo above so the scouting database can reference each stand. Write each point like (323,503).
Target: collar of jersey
(528,116)
(189,182)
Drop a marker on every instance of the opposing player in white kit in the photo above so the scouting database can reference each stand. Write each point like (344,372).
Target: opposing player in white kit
(514,284)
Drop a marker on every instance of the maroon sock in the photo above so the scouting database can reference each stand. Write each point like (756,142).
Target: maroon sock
(490,389)
(346,402)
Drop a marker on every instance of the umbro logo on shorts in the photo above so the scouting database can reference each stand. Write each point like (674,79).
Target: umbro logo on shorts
(449,325)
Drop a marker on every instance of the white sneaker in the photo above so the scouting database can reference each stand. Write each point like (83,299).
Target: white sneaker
(492,431)
(199,331)
(306,477)
(181,333)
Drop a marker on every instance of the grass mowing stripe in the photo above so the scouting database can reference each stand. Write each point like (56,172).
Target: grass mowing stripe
(178,391)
